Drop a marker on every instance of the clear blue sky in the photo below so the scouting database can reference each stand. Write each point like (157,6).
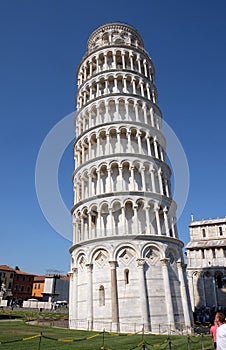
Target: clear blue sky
(42,43)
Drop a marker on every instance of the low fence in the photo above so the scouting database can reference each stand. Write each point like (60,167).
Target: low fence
(169,343)
(166,329)
(50,323)
(154,328)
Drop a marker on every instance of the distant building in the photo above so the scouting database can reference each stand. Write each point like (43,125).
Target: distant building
(56,288)
(206,263)
(38,287)
(22,285)
(6,277)
(18,284)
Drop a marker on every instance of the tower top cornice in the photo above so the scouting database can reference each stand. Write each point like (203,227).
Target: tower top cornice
(114,33)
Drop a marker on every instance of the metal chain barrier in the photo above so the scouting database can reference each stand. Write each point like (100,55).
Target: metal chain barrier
(169,343)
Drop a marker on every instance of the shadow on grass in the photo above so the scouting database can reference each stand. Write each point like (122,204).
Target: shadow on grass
(8,317)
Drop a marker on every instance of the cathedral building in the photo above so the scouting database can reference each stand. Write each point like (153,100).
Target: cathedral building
(127,268)
(206,263)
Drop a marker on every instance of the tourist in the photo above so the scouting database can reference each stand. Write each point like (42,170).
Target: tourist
(221,331)
(213,332)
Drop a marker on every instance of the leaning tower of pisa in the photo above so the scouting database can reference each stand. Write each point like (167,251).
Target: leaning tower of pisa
(127,270)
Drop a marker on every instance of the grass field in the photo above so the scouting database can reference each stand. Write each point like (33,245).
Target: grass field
(55,338)
(19,335)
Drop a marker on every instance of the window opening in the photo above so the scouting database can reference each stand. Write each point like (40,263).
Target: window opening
(126,276)
(101,296)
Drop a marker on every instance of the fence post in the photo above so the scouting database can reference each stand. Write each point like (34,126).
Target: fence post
(40,339)
(203,342)
(103,347)
(170,344)
(189,343)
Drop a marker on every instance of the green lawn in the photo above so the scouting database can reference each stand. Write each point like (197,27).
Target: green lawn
(55,338)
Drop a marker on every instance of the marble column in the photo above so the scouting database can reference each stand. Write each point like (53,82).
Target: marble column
(112,223)
(168,299)
(115,88)
(129,141)
(145,68)
(152,117)
(74,228)
(139,65)
(184,299)
(191,290)
(152,171)
(156,210)
(203,288)
(144,107)
(90,296)
(114,59)
(123,60)
(131,185)
(143,294)
(71,294)
(73,297)
(160,181)
(109,182)
(165,212)
(131,61)
(156,147)
(215,292)
(148,221)
(142,172)
(114,297)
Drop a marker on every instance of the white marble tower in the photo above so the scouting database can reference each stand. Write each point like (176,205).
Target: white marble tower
(127,270)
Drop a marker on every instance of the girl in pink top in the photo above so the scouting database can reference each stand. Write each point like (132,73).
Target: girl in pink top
(213,332)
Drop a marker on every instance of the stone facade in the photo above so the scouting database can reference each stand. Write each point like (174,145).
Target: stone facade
(127,270)
(206,262)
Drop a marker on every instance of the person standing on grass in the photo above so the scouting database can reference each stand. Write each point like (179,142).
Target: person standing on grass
(221,331)
(213,332)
